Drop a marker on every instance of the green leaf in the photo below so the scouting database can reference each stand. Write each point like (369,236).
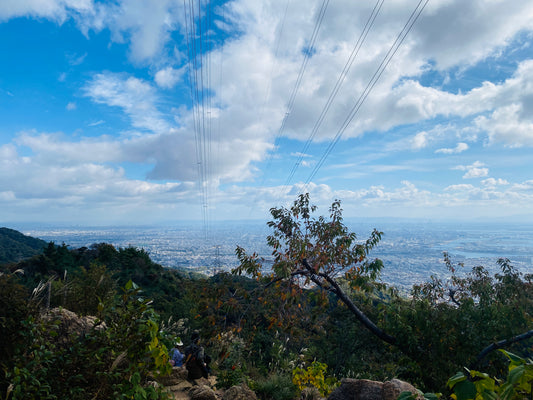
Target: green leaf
(458,377)
(465,390)
(406,396)
(513,357)
(506,391)
(516,374)
(490,395)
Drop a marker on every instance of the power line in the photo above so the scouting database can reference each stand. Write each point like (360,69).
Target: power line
(199,70)
(296,87)
(340,80)
(303,66)
(373,80)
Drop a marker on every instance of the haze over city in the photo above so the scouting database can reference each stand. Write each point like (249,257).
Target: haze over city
(143,112)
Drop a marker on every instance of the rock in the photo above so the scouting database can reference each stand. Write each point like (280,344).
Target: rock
(364,389)
(178,375)
(393,388)
(241,392)
(202,393)
(310,393)
(68,326)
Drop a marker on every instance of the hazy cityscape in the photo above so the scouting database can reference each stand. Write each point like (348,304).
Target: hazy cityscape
(411,252)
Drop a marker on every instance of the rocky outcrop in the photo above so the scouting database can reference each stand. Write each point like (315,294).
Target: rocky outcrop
(201,389)
(364,389)
(69,323)
(241,392)
(202,392)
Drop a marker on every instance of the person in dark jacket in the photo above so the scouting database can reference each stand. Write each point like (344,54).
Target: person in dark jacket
(195,359)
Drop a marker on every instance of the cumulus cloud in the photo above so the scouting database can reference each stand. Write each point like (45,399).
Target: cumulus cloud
(457,149)
(456,32)
(259,60)
(419,141)
(492,182)
(508,125)
(459,187)
(57,10)
(476,173)
(168,77)
(475,170)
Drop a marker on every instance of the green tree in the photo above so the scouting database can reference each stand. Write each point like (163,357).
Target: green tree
(315,250)
(442,325)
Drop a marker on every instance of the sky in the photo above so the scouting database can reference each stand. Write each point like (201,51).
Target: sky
(133,112)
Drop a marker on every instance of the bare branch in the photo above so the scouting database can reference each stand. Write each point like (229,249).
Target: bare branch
(361,316)
(501,344)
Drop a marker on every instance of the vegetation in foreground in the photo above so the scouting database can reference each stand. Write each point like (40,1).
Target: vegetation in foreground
(267,328)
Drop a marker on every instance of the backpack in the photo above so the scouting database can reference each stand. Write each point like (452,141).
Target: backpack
(194,365)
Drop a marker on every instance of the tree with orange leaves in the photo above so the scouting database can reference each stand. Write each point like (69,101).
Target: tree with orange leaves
(315,251)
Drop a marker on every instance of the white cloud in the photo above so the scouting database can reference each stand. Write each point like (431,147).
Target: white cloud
(57,10)
(419,141)
(168,77)
(302,155)
(458,149)
(136,97)
(75,59)
(459,187)
(7,196)
(250,101)
(474,170)
(508,125)
(71,106)
(146,25)
(526,186)
(492,182)
(476,173)
(96,123)
(458,32)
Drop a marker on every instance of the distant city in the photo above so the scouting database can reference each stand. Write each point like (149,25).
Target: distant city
(411,252)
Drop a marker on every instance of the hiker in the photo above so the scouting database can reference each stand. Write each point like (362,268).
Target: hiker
(176,356)
(195,359)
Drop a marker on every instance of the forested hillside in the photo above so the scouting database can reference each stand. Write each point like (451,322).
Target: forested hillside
(277,331)
(14,246)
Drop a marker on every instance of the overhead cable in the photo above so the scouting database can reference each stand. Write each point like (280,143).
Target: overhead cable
(372,82)
(340,80)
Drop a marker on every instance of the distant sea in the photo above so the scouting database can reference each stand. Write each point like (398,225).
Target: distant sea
(411,251)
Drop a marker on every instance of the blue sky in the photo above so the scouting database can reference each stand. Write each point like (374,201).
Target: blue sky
(141,112)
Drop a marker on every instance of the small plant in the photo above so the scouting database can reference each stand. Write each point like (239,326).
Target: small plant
(276,387)
(231,366)
(479,385)
(114,360)
(310,393)
(475,385)
(314,376)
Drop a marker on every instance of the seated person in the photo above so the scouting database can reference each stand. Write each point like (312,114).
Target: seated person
(176,356)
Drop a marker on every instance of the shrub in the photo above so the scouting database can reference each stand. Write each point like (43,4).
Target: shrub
(276,387)
(114,361)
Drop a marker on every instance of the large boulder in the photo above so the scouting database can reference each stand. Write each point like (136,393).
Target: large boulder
(393,388)
(364,389)
(202,392)
(177,376)
(241,392)
(68,326)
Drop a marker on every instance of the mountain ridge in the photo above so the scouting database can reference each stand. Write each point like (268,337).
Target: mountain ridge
(15,246)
